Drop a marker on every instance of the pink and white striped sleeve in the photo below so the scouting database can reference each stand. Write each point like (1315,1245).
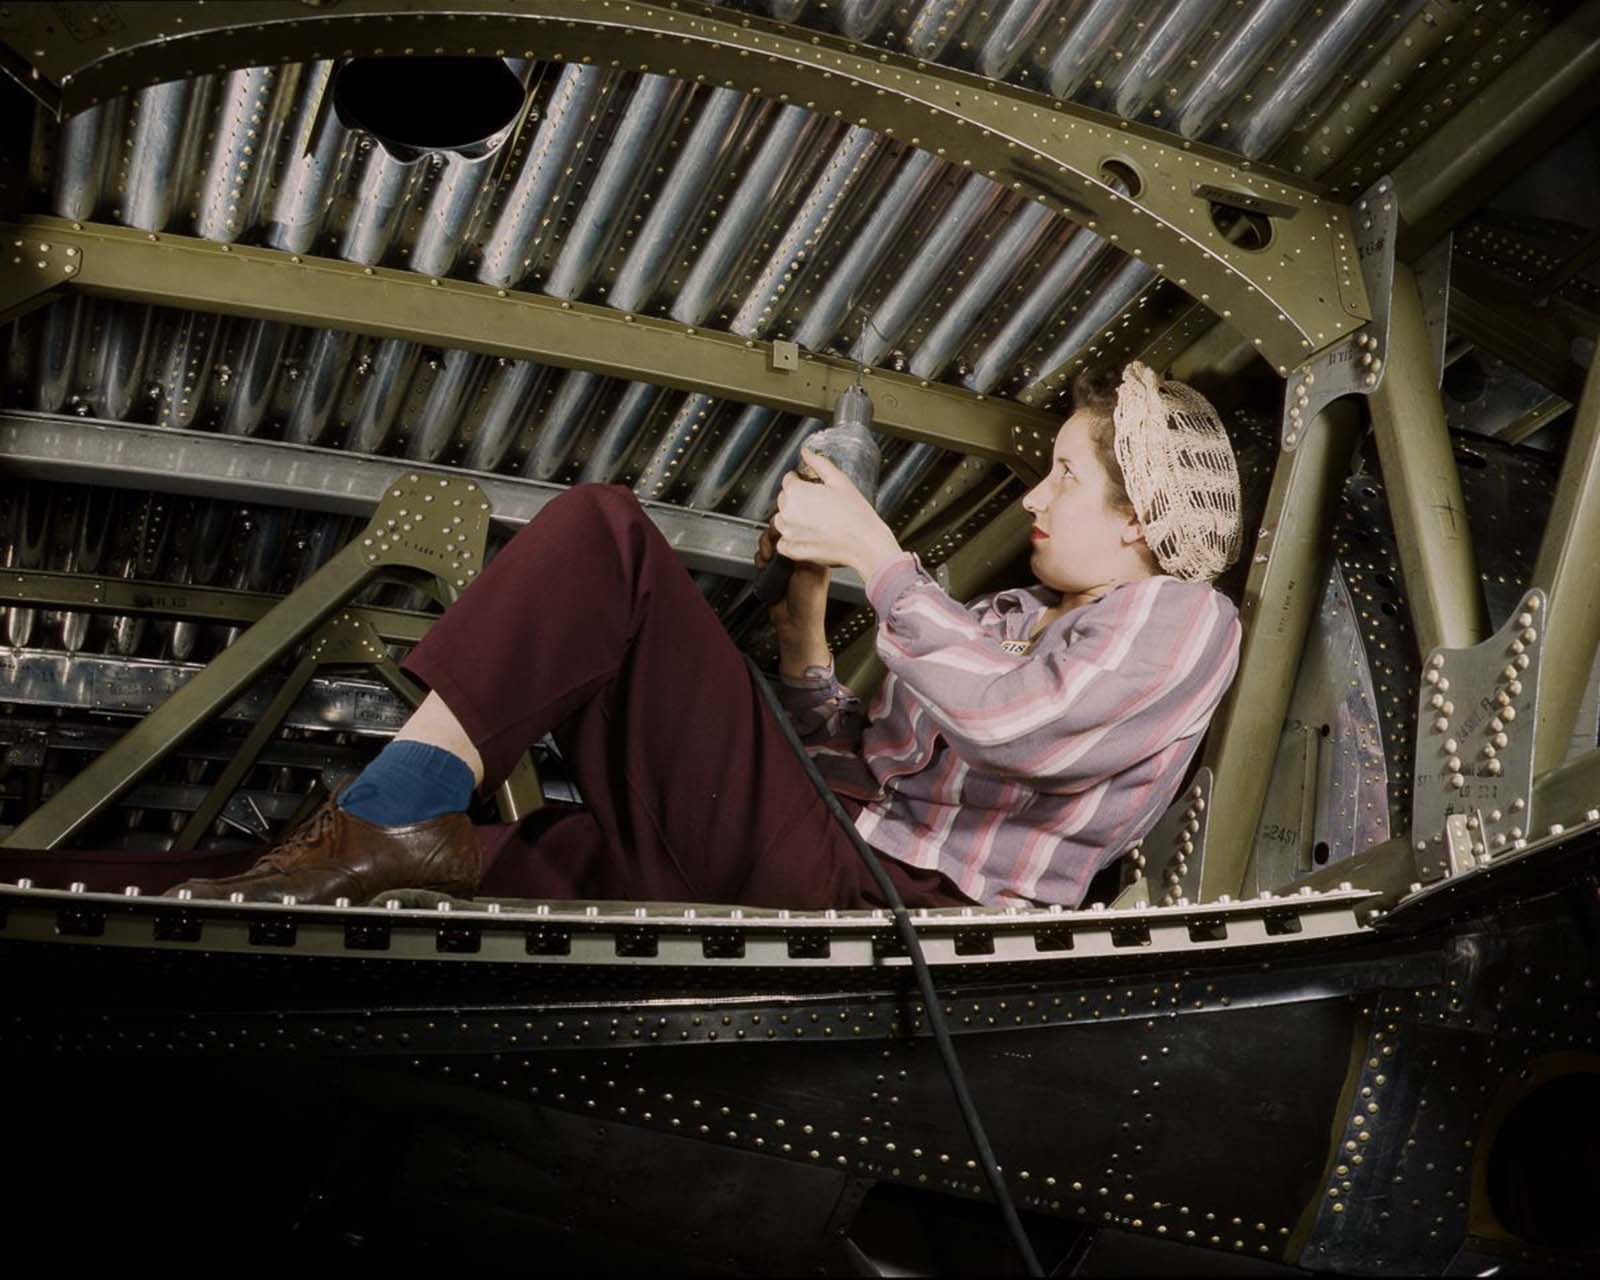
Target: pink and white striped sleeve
(1135,671)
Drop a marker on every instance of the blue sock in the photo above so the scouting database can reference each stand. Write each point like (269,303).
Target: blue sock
(409,782)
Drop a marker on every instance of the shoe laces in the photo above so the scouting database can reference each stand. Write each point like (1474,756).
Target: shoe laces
(297,846)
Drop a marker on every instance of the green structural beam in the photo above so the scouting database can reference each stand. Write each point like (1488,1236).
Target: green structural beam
(1423,485)
(1565,571)
(268,284)
(1280,603)
(1292,296)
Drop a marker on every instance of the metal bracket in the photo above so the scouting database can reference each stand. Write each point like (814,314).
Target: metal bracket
(1174,851)
(431,522)
(1474,757)
(1433,282)
(33,272)
(1354,364)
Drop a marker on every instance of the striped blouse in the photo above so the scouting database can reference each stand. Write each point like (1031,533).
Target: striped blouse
(1019,771)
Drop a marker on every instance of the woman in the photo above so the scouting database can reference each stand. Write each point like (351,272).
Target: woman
(1018,744)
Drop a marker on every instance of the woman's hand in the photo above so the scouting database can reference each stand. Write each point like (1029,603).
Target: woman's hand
(830,522)
(799,618)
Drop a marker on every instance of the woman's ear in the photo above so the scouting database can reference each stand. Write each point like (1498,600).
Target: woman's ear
(1132,532)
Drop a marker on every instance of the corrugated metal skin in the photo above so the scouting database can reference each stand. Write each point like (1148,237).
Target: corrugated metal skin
(653,195)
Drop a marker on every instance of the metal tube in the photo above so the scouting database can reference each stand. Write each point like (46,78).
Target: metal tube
(316,150)
(685,188)
(568,117)
(1319,58)
(708,279)
(655,103)
(1009,36)
(1556,80)
(1423,485)
(936,23)
(1234,63)
(1108,301)
(1144,74)
(1280,602)
(1091,36)
(1024,232)
(1565,570)
(976,199)
(810,222)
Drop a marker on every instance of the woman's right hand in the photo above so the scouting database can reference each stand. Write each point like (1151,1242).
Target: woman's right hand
(799,616)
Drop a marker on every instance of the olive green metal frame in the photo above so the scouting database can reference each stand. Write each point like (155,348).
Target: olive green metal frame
(1293,296)
(1057,153)
(49,255)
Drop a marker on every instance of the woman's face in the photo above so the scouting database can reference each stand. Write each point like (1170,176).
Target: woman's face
(1081,543)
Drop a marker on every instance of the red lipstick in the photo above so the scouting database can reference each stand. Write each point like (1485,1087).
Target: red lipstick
(1038,535)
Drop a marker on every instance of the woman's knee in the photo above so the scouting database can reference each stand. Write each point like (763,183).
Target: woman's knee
(612,504)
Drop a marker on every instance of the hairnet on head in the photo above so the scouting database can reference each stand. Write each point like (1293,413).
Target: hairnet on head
(1179,470)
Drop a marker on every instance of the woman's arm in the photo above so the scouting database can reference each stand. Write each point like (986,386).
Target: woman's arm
(1144,667)
(826,715)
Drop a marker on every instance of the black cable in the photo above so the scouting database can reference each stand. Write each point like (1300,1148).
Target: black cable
(919,963)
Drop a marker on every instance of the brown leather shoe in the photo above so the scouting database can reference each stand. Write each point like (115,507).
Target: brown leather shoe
(334,854)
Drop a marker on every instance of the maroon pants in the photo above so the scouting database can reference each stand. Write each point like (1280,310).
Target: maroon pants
(587,626)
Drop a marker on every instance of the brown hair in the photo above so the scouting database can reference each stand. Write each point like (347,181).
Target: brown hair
(1094,391)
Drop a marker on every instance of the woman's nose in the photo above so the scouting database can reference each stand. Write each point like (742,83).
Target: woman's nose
(1030,500)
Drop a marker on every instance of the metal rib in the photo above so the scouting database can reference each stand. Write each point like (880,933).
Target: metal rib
(621,433)
(1060,281)
(1010,35)
(188,352)
(936,22)
(392,368)
(568,116)
(514,388)
(441,412)
(85,156)
(1087,42)
(124,347)
(1107,302)
(259,358)
(683,192)
(1022,238)
(153,175)
(676,446)
(648,118)
(559,429)
(780,149)
(1146,73)
(976,199)
(858,19)
(911,186)
(317,150)
(56,359)
(323,373)
(822,204)
(253,104)
(382,192)
(765,300)
(1230,66)
(1319,60)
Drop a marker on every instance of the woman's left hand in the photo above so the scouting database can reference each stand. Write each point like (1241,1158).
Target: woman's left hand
(830,522)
